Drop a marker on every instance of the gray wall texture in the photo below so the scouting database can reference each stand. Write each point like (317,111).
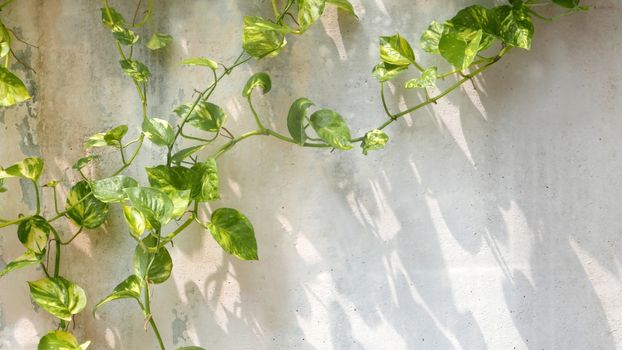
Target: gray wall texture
(491,220)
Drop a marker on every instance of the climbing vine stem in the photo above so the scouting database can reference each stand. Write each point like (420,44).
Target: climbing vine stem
(158,212)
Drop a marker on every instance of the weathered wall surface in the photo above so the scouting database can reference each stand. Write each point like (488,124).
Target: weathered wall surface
(491,221)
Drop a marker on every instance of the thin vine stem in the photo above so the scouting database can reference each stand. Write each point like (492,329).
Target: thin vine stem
(467,77)
(204,95)
(147,311)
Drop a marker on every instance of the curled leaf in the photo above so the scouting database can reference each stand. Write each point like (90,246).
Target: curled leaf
(297,119)
(374,140)
(261,80)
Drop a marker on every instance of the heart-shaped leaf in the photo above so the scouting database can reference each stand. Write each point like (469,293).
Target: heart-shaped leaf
(263,38)
(34,233)
(110,190)
(29,168)
(154,267)
(131,287)
(154,204)
(83,208)
(207,189)
(205,116)
(58,296)
(159,131)
(159,41)
(331,128)
(234,233)
(61,340)
(12,89)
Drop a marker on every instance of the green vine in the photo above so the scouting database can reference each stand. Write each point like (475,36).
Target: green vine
(472,41)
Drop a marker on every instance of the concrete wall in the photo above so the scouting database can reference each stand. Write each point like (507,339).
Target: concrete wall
(491,221)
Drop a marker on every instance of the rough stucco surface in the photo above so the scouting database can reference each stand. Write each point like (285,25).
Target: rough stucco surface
(491,220)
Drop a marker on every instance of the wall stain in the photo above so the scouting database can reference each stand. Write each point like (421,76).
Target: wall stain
(180,328)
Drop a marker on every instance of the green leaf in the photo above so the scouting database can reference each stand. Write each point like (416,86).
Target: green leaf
(125,36)
(152,203)
(177,182)
(135,69)
(344,5)
(297,120)
(200,61)
(29,168)
(83,208)
(460,47)
(261,80)
(27,259)
(180,200)
(135,220)
(185,153)
(114,136)
(96,140)
(385,72)
(5,41)
(159,41)
(309,11)
(110,190)
(476,17)
(175,177)
(111,137)
(431,37)
(34,233)
(61,340)
(115,19)
(84,161)
(395,50)
(262,38)
(154,267)
(207,189)
(234,233)
(130,288)
(2,189)
(205,116)
(159,131)
(331,127)
(427,79)
(567,3)
(58,296)
(374,140)
(515,26)
(473,19)
(12,89)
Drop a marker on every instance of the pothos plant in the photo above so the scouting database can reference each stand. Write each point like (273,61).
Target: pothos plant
(156,213)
